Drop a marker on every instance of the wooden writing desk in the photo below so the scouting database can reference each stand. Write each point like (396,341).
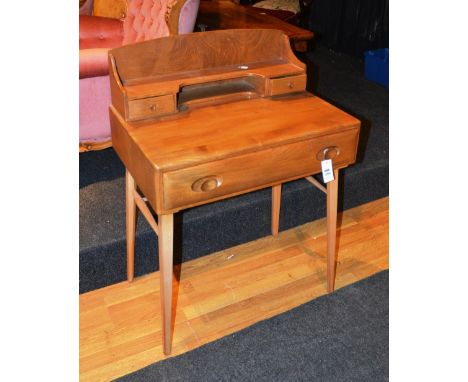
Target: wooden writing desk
(194,123)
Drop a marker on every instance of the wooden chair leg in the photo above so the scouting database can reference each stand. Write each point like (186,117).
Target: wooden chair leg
(165,242)
(332,205)
(130,187)
(275,209)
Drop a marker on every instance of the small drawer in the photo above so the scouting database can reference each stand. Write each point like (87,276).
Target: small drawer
(151,107)
(226,177)
(286,85)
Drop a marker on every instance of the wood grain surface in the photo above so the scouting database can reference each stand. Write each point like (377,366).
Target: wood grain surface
(218,294)
(147,77)
(170,56)
(254,170)
(240,127)
(251,144)
(227,15)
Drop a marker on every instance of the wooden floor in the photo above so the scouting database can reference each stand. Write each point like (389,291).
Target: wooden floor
(226,291)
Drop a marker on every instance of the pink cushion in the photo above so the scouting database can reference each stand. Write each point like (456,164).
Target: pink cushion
(93,62)
(188,15)
(95,99)
(100,32)
(145,20)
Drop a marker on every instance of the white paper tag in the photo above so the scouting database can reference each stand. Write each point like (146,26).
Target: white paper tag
(327,170)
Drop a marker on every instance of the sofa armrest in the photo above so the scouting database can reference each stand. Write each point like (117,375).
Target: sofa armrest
(86,7)
(100,32)
(94,62)
(181,15)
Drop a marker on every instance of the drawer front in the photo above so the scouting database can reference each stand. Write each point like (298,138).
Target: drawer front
(151,107)
(288,84)
(216,180)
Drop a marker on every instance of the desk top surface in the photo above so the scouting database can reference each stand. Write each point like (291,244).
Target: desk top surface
(220,131)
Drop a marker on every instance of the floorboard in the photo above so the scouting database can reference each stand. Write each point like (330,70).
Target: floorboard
(226,291)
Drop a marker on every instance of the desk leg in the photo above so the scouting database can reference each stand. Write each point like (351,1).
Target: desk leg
(332,205)
(165,242)
(130,186)
(275,209)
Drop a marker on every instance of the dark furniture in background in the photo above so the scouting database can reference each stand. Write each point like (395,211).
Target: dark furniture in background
(350,26)
(224,14)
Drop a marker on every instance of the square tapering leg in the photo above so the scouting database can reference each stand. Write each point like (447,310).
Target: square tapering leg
(130,187)
(165,242)
(332,206)
(275,209)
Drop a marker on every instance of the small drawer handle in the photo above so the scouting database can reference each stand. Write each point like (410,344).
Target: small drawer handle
(329,152)
(290,85)
(153,107)
(207,183)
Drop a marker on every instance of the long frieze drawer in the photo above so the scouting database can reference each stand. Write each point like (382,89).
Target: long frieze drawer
(290,84)
(215,180)
(151,107)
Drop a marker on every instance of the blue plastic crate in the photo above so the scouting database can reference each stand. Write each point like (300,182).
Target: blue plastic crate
(376,66)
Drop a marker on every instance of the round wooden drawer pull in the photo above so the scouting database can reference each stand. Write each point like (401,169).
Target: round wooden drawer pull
(328,153)
(291,85)
(207,183)
(153,107)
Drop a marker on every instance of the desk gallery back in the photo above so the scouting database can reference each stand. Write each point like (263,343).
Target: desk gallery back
(205,116)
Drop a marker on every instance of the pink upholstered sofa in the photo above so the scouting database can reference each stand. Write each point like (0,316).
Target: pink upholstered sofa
(145,19)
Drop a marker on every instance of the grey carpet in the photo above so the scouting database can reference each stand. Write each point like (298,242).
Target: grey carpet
(337,337)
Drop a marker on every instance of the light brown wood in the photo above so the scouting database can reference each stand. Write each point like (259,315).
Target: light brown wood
(221,293)
(228,15)
(135,160)
(226,90)
(198,55)
(174,8)
(152,86)
(288,161)
(115,9)
(207,183)
(130,188)
(93,146)
(275,209)
(288,84)
(230,128)
(141,204)
(216,151)
(163,67)
(316,183)
(169,151)
(332,203)
(151,107)
(329,152)
(118,92)
(165,242)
